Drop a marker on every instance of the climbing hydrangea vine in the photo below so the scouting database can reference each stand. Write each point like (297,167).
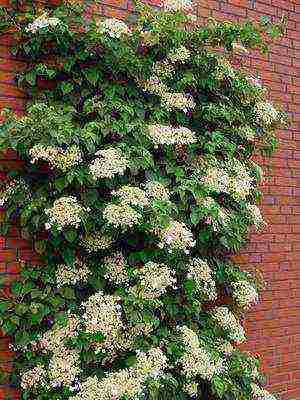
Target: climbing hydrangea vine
(136,188)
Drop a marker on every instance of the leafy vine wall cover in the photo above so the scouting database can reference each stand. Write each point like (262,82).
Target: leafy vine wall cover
(136,188)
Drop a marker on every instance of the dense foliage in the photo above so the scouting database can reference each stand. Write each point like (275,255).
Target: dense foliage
(137,187)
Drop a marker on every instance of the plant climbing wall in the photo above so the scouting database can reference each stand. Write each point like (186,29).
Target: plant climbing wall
(137,187)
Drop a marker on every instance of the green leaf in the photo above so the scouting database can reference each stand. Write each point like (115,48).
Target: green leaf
(66,87)
(30,77)
(40,246)
(61,183)
(71,235)
(69,256)
(92,75)
(196,216)
(67,293)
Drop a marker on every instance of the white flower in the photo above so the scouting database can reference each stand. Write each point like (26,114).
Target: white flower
(95,241)
(157,191)
(161,134)
(110,163)
(42,22)
(154,85)
(224,69)
(33,377)
(178,5)
(217,180)
(129,382)
(180,101)
(177,236)
(261,394)
(116,270)
(103,313)
(247,132)
(56,157)
(227,320)
(197,361)
(256,216)
(164,69)
(53,340)
(113,27)
(64,367)
(169,100)
(224,347)
(256,81)
(65,212)
(121,215)
(239,48)
(266,113)
(181,54)
(66,275)
(200,272)
(132,195)
(13,188)
(155,280)
(244,293)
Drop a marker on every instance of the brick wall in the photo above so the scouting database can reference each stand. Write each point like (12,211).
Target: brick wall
(274,326)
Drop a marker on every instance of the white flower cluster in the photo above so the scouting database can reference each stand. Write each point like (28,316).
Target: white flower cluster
(244,293)
(121,215)
(103,313)
(266,113)
(242,183)
(161,134)
(247,132)
(238,48)
(217,180)
(127,382)
(255,214)
(11,189)
(178,5)
(33,377)
(42,21)
(132,195)
(197,361)
(261,394)
(113,27)
(227,320)
(164,69)
(238,186)
(191,389)
(218,217)
(155,280)
(224,70)
(56,157)
(181,54)
(115,269)
(64,367)
(170,100)
(177,236)
(157,191)
(110,162)
(64,363)
(54,339)
(179,101)
(200,272)
(223,346)
(70,275)
(65,212)
(256,81)
(95,241)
